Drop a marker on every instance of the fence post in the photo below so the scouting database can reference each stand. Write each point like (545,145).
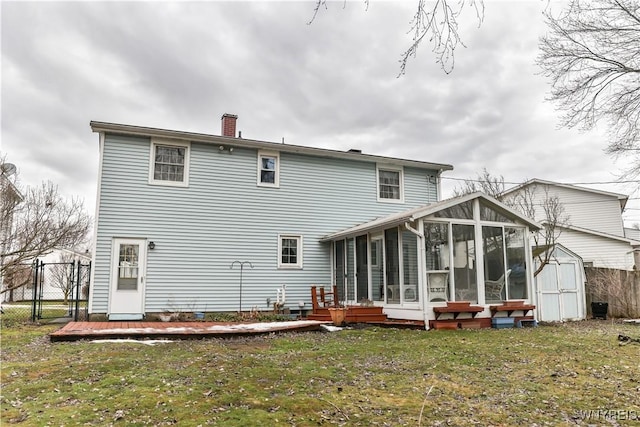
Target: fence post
(88,292)
(35,290)
(78,285)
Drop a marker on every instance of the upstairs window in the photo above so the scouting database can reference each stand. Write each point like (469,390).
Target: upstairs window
(289,251)
(268,169)
(169,163)
(390,186)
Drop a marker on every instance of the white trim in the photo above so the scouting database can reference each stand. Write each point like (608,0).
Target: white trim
(390,168)
(94,240)
(631,242)
(275,155)
(169,143)
(300,245)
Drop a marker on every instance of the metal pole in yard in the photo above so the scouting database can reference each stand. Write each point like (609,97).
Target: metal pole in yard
(242,263)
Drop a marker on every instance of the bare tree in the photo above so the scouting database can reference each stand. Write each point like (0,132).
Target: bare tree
(439,22)
(484,182)
(591,55)
(62,274)
(18,277)
(532,201)
(42,221)
(436,21)
(619,288)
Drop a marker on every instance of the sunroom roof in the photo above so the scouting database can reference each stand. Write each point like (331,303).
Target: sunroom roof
(426,210)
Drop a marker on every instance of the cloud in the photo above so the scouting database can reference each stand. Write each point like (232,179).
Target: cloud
(333,84)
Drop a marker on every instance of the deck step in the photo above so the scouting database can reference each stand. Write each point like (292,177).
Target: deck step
(351,318)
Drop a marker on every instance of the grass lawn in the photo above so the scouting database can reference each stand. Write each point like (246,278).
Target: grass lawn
(550,375)
(17,313)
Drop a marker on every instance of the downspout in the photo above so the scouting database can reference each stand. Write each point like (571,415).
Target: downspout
(439,186)
(422,270)
(413,230)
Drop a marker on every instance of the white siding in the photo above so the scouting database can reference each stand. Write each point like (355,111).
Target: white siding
(593,211)
(223,216)
(632,233)
(602,252)
(585,209)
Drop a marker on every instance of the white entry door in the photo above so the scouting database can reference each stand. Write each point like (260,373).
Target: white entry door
(560,292)
(128,266)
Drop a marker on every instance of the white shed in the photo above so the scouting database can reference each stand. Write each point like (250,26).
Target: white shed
(561,287)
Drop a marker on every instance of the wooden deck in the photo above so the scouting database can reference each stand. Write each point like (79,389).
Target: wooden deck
(369,315)
(354,314)
(175,330)
(74,331)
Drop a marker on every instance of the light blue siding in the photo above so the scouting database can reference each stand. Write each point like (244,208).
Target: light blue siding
(223,216)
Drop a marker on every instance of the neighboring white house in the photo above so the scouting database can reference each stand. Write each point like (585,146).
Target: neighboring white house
(594,229)
(634,234)
(10,196)
(56,276)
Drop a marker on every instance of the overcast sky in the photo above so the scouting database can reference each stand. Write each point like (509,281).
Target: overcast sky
(332,84)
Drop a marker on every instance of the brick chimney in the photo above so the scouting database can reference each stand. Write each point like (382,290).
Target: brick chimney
(229,125)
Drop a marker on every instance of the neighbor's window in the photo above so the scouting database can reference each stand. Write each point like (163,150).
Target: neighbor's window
(289,251)
(268,169)
(390,184)
(169,163)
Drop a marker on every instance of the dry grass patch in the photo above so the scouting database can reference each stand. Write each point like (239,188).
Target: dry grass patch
(546,376)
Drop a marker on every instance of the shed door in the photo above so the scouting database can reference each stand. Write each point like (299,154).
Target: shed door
(126,296)
(560,295)
(569,294)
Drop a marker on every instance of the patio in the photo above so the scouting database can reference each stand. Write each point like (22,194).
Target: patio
(74,331)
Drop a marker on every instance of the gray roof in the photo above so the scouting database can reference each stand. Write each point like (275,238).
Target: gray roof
(621,197)
(120,129)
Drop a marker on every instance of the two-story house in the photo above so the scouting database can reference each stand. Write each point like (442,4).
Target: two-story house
(593,226)
(177,212)
(589,233)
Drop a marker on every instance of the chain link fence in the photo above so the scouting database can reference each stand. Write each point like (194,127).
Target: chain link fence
(57,290)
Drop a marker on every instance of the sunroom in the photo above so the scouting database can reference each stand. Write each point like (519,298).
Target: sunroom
(458,262)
